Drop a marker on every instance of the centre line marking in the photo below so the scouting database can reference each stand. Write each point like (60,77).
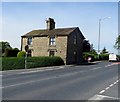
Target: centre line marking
(109,87)
(101,91)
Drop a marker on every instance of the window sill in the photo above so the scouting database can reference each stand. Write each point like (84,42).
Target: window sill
(30,45)
(52,45)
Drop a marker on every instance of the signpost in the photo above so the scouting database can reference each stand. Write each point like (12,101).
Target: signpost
(26,49)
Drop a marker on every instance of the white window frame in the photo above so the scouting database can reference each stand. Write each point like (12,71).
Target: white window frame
(29,41)
(52,41)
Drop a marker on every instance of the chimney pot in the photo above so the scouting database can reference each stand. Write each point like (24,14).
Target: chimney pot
(50,23)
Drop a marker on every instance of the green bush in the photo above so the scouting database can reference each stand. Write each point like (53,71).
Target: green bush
(44,61)
(104,56)
(21,54)
(32,62)
(11,52)
(93,56)
(9,63)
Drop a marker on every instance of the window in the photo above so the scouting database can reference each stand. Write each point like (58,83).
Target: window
(75,39)
(29,41)
(52,53)
(52,41)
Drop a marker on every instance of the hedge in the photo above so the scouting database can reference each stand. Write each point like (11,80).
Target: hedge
(10,63)
(88,54)
(104,56)
(11,52)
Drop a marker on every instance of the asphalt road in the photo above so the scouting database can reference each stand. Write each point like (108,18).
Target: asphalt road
(82,82)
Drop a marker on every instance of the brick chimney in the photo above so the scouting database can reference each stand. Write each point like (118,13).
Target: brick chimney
(50,23)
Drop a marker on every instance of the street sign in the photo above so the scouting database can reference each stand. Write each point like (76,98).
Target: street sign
(26,48)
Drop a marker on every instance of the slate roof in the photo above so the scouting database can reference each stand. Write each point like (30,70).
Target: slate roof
(45,32)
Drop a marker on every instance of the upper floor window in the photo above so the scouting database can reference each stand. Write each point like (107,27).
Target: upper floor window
(30,41)
(75,39)
(52,41)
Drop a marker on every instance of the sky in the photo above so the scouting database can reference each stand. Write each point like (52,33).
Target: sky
(18,18)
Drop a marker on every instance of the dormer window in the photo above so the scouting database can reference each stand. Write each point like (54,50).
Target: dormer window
(52,41)
(30,41)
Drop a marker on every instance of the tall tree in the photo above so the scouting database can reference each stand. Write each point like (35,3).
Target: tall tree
(117,43)
(104,51)
(86,46)
(3,46)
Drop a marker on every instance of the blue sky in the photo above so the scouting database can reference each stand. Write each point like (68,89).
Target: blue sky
(19,18)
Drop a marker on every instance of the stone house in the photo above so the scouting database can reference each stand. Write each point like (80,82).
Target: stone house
(64,42)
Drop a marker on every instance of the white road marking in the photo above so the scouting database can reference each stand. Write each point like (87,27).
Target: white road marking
(101,97)
(101,91)
(44,69)
(31,71)
(109,65)
(96,68)
(28,82)
(38,70)
(109,86)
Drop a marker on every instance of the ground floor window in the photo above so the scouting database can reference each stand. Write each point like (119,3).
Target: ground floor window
(51,53)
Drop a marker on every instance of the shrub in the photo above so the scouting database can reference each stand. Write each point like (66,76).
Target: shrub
(104,56)
(21,54)
(32,62)
(9,63)
(94,57)
(11,52)
(44,61)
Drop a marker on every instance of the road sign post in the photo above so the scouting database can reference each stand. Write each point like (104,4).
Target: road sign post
(26,60)
(26,49)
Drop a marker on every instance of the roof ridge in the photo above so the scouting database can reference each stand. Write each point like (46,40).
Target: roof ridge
(57,28)
(45,32)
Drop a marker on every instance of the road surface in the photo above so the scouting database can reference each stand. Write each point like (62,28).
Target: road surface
(78,82)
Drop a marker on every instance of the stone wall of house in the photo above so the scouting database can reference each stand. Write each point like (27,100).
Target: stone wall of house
(40,46)
(61,46)
(74,51)
(23,43)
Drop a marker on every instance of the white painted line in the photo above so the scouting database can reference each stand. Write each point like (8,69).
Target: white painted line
(96,68)
(115,83)
(107,88)
(101,97)
(101,91)
(108,65)
(30,72)
(28,82)
(111,85)
(118,80)
(61,67)
(96,97)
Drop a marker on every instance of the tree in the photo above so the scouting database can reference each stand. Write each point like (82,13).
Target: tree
(5,45)
(86,46)
(104,51)
(117,43)
(7,51)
